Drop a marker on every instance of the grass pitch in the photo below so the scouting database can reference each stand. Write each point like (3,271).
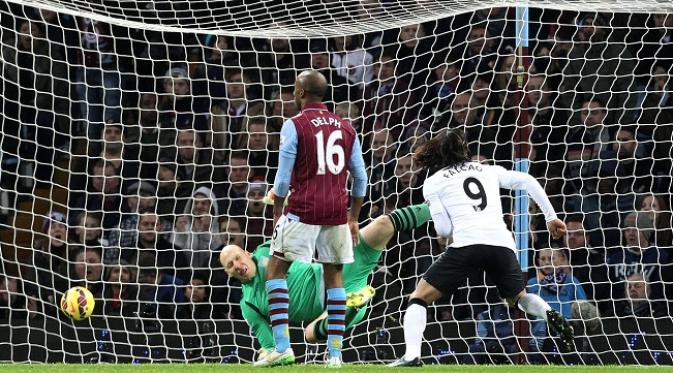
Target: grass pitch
(348,368)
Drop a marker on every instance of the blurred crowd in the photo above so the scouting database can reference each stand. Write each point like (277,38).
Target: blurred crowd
(171,139)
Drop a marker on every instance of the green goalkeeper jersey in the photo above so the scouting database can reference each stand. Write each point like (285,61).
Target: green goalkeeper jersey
(306,292)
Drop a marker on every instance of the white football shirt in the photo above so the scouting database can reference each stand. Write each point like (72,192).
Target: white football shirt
(465,199)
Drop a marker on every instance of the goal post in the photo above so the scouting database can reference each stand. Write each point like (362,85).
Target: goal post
(139,137)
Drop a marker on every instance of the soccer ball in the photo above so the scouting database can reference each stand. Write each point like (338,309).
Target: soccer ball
(77,303)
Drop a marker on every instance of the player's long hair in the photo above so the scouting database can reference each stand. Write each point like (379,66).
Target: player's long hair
(445,150)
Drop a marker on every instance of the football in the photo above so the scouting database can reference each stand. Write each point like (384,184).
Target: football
(78,303)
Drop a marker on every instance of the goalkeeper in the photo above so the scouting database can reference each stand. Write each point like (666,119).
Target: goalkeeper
(305,280)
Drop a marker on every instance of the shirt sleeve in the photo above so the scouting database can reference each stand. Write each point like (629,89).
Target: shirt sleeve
(357,169)
(286,158)
(259,326)
(438,213)
(519,180)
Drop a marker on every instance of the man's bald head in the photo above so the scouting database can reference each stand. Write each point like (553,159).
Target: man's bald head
(309,87)
(238,263)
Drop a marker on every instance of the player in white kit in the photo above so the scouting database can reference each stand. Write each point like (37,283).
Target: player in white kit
(464,201)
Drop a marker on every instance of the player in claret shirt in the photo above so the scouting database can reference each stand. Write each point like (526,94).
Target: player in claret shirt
(317,150)
(464,201)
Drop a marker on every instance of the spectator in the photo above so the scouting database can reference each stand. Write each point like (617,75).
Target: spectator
(463,114)
(111,144)
(194,162)
(558,287)
(495,340)
(35,92)
(349,112)
(388,103)
(87,271)
(119,292)
(413,53)
(611,65)
(652,44)
(145,138)
(381,165)
(170,191)
(550,125)
(339,89)
(231,232)
(236,104)
(88,231)
(99,79)
(351,61)
(408,183)
(443,85)
(151,241)
(656,102)
(196,232)
(222,56)
(197,306)
(178,107)
(637,295)
(14,305)
(635,256)
(140,196)
(47,270)
(256,139)
(654,207)
(279,60)
(259,225)
(236,189)
(584,257)
(284,106)
(585,143)
(102,193)
(158,291)
(628,172)
(480,53)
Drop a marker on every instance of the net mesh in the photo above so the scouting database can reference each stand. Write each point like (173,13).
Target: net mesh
(139,137)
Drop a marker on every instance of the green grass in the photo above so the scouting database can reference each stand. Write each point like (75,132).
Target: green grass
(244,368)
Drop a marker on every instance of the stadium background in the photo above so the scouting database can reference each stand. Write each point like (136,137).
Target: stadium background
(109,133)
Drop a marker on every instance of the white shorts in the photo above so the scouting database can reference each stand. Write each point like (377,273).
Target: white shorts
(293,240)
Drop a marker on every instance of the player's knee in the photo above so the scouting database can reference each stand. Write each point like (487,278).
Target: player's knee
(425,297)
(309,335)
(384,224)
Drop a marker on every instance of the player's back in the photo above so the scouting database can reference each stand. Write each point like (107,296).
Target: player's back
(325,143)
(470,194)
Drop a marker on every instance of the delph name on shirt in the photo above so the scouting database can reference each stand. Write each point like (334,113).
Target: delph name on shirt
(455,170)
(322,121)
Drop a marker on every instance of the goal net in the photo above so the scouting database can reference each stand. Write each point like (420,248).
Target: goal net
(139,137)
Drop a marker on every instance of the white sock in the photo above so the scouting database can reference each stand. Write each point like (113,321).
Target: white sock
(532,304)
(414,325)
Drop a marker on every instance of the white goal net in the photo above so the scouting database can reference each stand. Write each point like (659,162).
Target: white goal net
(139,137)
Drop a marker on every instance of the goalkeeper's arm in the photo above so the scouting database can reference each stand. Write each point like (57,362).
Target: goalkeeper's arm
(259,326)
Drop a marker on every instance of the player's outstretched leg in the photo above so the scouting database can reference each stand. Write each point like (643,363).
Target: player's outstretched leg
(532,304)
(415,320)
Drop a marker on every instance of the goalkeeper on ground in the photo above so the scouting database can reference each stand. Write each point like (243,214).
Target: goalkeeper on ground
(305,280)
